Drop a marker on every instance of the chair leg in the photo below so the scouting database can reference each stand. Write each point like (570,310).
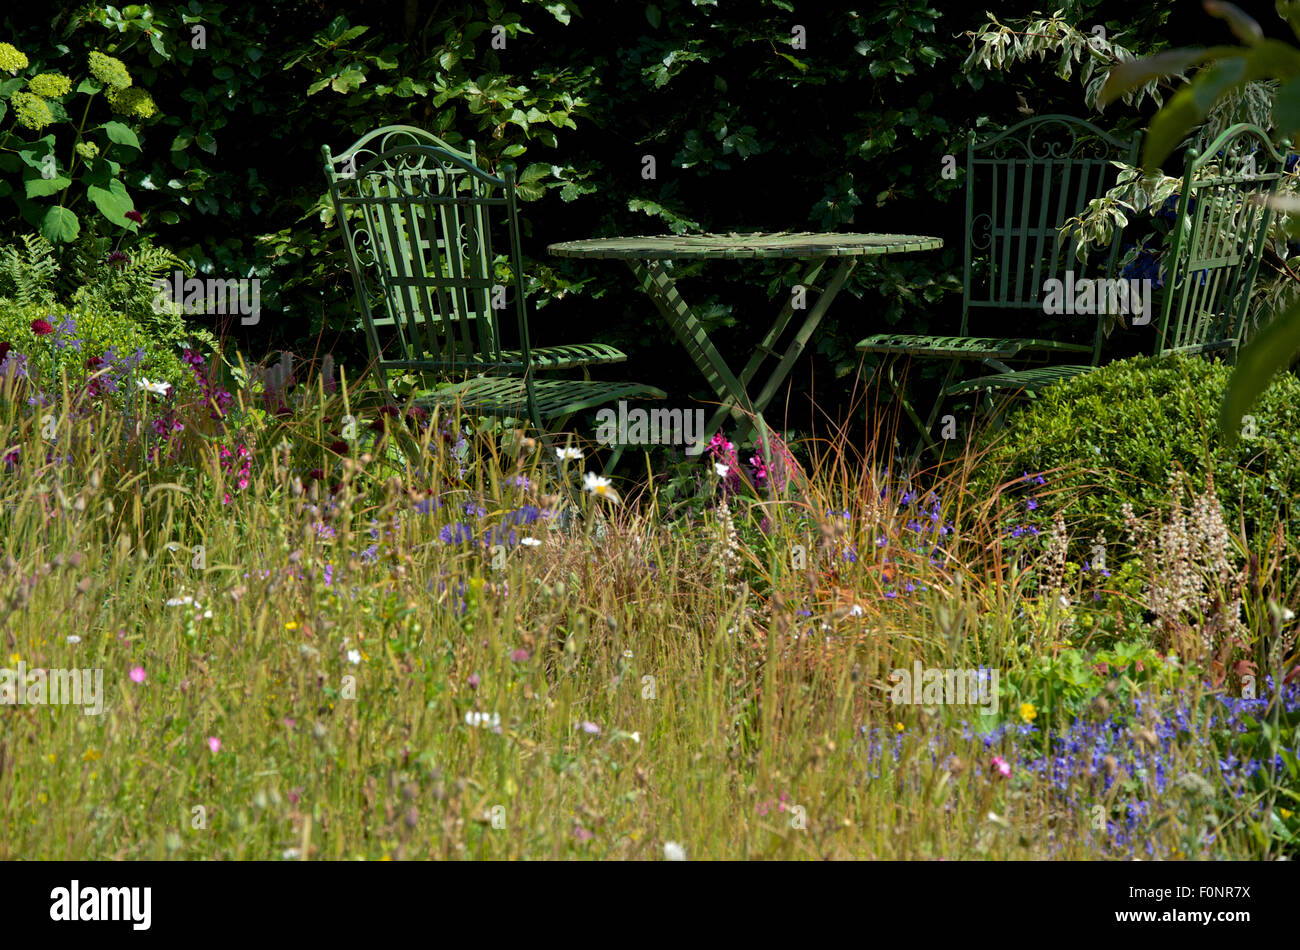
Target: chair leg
(926,442)
(897,390)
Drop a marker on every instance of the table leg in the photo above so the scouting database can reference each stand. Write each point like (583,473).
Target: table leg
(732,391)
(764,348)
(802,336)
(662,290)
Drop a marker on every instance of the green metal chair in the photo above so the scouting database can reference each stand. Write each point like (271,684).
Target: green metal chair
(1022,184)
(416,220)
(1214,252)
(1216,259)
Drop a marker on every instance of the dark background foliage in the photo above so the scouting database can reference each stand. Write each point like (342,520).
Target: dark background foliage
(747,132)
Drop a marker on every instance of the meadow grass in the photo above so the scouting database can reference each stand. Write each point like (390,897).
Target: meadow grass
(336,664)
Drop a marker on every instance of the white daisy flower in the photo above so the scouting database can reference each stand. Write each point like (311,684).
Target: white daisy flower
(600,486)
(73,638)
(674,851)
(477,719)
(529,542)
(721,469)
(568,454)
(354,657)
(161,388)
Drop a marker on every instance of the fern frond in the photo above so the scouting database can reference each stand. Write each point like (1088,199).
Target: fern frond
(28,275)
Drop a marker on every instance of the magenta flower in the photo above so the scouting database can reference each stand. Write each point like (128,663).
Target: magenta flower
(214,744)
(1001,767)
(137,674)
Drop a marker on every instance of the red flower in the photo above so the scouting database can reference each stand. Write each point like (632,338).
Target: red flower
(95,362)
(42,327)
(316,474)
(4,350)
(339,447)
(135,216)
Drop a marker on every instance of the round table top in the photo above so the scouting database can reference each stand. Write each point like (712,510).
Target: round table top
(772,244)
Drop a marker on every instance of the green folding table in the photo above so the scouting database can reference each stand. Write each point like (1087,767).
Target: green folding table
(646,256)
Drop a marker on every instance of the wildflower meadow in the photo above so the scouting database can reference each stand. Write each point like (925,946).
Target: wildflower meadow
(265,597)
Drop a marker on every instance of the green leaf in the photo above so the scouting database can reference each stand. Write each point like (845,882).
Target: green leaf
(1188,108)
(1289,10)
(527,187)
(348,81)
(121,134)
(653,16)
(574,189)
(60,225)
(1132,74)
(1269,353)
(1286,107)
(798,63)
(1243,27)
(113,202)
(39,187)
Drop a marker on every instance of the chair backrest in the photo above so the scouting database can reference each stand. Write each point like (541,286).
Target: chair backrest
(1217,241)
(416,216)
(1022,185)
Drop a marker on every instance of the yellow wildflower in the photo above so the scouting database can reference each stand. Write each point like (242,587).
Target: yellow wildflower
(1027,712)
